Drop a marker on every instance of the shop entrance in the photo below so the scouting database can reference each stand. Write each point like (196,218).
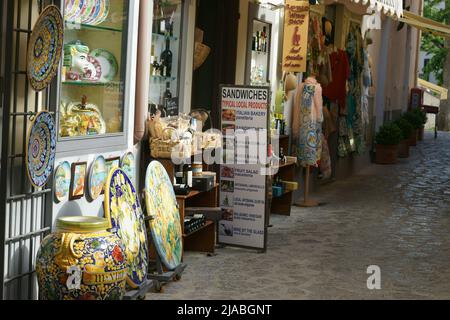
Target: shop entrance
(25,211)
(219,20)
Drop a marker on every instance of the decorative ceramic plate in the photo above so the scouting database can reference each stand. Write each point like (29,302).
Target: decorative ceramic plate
(104,12)
(62,181)
(162,204)
(95,12)
(123,210)
(108,63)
(98,70)
(128,164)
(86,10)
(97,177)
(45,46)
(41,147)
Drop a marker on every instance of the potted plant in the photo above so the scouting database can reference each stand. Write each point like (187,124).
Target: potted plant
(415,120)
(407,129)
(387,141)
(423,116)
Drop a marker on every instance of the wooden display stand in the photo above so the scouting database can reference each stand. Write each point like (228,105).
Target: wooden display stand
(307,202)
(282,205)
(203,239)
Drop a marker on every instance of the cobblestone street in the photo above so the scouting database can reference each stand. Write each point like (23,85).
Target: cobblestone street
(396,217)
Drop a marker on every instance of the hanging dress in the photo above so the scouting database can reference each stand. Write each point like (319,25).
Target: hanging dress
(309,120)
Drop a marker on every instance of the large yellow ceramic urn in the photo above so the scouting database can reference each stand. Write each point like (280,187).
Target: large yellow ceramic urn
(81,261)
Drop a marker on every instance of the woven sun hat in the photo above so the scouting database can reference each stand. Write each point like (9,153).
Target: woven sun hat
(290,82)
(201,52)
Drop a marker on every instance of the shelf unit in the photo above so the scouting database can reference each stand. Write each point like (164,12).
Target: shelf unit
(282,205)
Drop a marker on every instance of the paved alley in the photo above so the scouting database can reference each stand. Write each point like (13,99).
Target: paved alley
(395,217)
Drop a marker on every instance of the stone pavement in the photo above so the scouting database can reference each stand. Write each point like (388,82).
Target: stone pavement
(396,217)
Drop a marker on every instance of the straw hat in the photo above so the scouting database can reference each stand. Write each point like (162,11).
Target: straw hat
(290,82)
(201,52)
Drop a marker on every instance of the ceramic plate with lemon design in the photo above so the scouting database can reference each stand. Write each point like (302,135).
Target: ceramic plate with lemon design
(161,203)
(123,210)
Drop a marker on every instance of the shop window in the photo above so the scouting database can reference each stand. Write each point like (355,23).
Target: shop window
(93,87)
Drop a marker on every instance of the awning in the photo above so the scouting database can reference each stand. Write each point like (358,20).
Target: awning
(425,24)
(392,7)
(442,92)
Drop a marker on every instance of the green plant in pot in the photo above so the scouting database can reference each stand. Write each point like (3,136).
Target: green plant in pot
(407,129)
(387,142)
(423,117)
(416,121)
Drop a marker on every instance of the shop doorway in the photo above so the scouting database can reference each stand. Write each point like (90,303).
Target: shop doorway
(219,20)
(25,211)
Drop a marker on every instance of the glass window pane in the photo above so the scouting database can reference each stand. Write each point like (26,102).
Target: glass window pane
(165,56)
(93,75)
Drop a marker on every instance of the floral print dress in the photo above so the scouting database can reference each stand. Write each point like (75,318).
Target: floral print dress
(308,123)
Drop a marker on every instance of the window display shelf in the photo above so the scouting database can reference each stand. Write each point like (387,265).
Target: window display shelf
(74,26)
(163,37)
(92,83)
(163,79)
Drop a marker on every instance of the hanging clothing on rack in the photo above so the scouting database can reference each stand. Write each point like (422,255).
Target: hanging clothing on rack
(307,122)
(336,89)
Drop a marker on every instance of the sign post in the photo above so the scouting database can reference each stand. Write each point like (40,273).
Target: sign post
(243,188)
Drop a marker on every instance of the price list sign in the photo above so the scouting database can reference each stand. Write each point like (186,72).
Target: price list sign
(243,188)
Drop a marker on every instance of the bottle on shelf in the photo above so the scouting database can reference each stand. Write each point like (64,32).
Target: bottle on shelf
(264,41)
(166,61)
(156,18)
(162,22)
(258,41)
(167,96)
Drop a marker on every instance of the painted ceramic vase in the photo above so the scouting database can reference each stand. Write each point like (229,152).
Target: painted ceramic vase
(81,261)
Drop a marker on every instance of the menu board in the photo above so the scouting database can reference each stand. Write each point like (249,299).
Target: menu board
(244,125)
(295,44)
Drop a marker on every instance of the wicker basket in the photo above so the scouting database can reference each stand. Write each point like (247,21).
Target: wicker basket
(201,52)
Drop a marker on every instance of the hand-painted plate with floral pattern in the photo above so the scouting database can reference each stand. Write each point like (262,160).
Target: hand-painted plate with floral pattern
(45,46)
(97,177)
(123,210)
(128,164)
(161,203)
(108,63)
(62,181)
(41,148)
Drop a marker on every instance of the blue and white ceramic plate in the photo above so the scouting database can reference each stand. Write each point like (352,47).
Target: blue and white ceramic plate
(41,148)
(45,46)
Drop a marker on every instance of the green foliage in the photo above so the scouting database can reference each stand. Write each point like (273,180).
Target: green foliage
(406,128)
(414,119)
(422,115)
(389,134)
(432,44)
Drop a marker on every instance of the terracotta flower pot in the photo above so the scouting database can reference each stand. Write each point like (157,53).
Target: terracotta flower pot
(386,154)
(413,139)
(421,133)
(403,149)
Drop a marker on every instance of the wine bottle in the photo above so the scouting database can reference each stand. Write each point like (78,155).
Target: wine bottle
(264,36)
(156,18)
(167,96)
(162,23)
(258,41)
(166,60)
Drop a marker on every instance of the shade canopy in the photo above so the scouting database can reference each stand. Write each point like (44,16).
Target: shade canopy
(391,7)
